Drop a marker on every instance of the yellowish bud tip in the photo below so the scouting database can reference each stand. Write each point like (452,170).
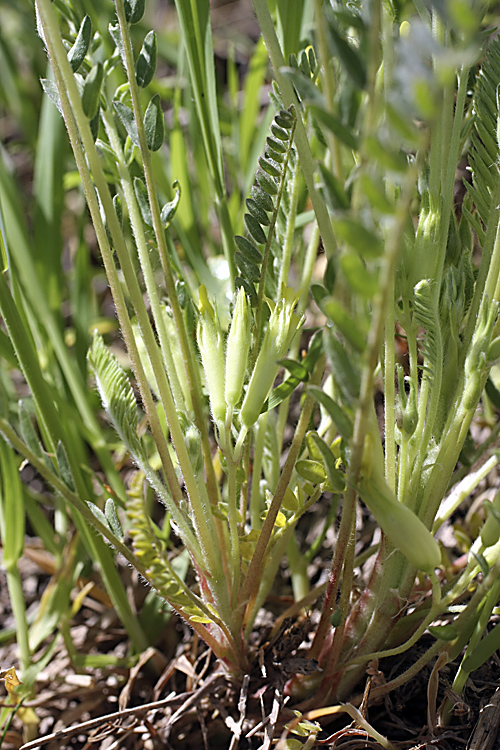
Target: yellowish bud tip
(404,29)
(205,306)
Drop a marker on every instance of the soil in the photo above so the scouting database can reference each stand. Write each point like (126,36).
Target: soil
(176,697)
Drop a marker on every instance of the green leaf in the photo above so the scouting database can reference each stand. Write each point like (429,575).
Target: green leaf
(270,166)
(312,471)
(404,126)
(295,368)
(335,476)
(248,287)
(349,56)
(76,54)
(116,394)
(154,124)
(358,276)
(305,88)
(356,236)
(261,198)
(134,10)
(331,122)
(444,632)
(98,513)
(339,417)
(248,249)
(344,371)
(394,161)
(247,267)
(483,651)
(116,35)
(345,323)
(50,89)
(92,91)
(492,393)
(146,62)
(376,195)
(128,120)
(64,467)
(334,190)
(12,524)
(26,413)
(267,183)
(169,209)
(280,133)
(254,229)
(141,193)
(258,212)
(112,518)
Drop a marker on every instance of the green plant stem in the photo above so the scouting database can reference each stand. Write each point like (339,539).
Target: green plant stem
(393,246)
(71,104)
(329,86)
(255,496)
(196,32)
(251,584)
(82,508)
(163,367)
(17,602)
(144,257)
(191,371)
(453,110)
(290,225)
(390,395)
(232,517)
(267,250)
(288,95)
(203,517)
(330,602)
(328,680)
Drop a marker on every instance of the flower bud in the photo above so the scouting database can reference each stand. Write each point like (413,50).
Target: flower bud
(211,346)
(494,351)
(237,348)
(490,533)
(403,528)
(281,329)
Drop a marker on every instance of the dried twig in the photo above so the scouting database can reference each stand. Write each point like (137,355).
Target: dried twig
(86,726)
(485,733)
